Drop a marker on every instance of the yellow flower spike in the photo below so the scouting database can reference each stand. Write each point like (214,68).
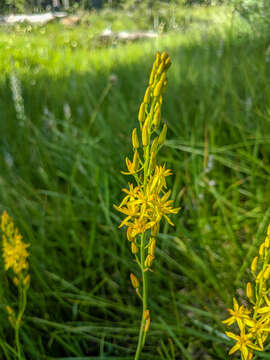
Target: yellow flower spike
(249,290)
(147,201)
(141,115)
(145,133)
(135,140)
(254,264)
(162,135)
(134,248)
(157,89)
(261,250)
(134,281)
(147,95)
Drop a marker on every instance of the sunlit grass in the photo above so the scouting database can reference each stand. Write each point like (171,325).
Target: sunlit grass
(60,177)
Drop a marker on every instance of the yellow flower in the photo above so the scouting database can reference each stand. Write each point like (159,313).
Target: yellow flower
(14,249)
(239,315)
(260,330)
(243,344)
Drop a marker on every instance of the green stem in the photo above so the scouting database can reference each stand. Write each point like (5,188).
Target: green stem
(17,340)
(142,333)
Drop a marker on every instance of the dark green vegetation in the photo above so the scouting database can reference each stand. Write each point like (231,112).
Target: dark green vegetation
(61,156)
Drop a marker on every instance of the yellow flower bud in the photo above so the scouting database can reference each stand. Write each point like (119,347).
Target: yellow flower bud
(266,273)
(155,229)
(157,89)
(9,310)
(26,280)
(16,281)
(141,115)
(134,248)
(152,77)
(129,237)
(136,161)
(157,117)
(164,56)
(163,134)
(268,230)
(135,140)
(147,324)
(154,145)
(145,133)
(148,261)
(160,68)
(152,247)
(134,281)
(267,242)
(146,314)
(249,290)
(129,165)
(261,250)
(167,63)
(157,57)
(147,95)
(259,276)
(254,264)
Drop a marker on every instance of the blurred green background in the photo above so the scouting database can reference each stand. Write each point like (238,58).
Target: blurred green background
(68,101)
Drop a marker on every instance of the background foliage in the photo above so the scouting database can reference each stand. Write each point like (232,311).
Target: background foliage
(68,102)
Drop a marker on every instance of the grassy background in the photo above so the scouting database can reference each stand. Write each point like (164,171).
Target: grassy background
(65,131)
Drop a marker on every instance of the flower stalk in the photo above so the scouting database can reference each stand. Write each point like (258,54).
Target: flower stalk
(15,259)
(147,198)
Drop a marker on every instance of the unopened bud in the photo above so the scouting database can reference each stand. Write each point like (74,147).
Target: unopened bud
(254,264)
(152,77)
(168,63)
(261,250)
(163,134)
(152,247)
(145,133)
(267,242)
(26,280)
(157,117)
(129,237)
(155,230)
(134,281)
(266,273)
(158,88)
(164,55)
(146,314)
(268,230)
(147,95)
(259,276)
(148,261)
(147,324)
(135,140)
(141,115)
(16,281)
(136,161)
(249,290)
(134,248)
(154,145)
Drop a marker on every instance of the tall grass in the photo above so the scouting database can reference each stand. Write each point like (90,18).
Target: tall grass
(60,177)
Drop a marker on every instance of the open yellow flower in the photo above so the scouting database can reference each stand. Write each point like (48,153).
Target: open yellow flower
(243,344)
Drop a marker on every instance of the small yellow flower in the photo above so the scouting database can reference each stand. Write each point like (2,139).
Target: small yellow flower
(238,314)
(243,344)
